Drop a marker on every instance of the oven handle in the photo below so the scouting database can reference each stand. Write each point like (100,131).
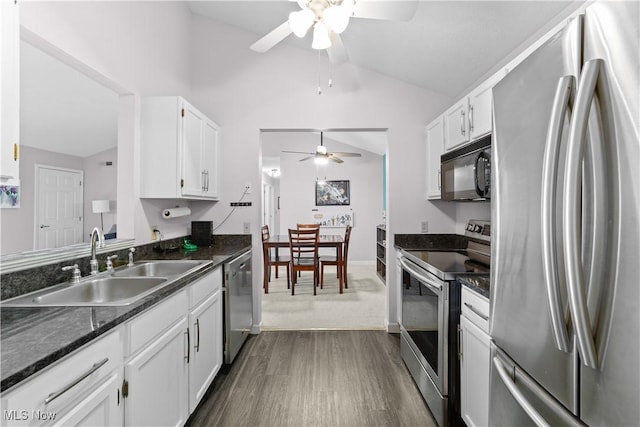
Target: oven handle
(414,270)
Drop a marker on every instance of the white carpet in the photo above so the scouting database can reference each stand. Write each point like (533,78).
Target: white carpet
(361,306)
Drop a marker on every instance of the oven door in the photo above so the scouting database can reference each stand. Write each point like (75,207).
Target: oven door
(425,310)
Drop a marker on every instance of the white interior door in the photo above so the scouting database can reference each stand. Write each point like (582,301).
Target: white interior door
(59,207)
(268,203)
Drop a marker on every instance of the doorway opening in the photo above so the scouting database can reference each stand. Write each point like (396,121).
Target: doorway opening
(289,197)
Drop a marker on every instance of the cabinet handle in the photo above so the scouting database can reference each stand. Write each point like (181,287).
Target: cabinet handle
(470,118)
(206,175)
(53,396)
(203,181)
(459,342)
(188,356)
(462,122)
(473,309)
(196,326)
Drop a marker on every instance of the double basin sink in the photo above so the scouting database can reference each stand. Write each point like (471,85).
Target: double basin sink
(123,286)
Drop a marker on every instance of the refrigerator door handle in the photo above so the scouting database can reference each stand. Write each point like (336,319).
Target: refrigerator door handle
(517,394)
(571,212)
(559,109)
(519,379)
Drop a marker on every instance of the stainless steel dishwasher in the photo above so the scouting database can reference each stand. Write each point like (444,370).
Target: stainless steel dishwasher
(238,304)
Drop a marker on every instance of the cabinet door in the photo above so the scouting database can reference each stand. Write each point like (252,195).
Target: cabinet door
(100,408)
(456,125)
(474,374)
(210,159)
(480,107)
(157,380)
(192,136)
(435,148)
(206,347)
(10,90)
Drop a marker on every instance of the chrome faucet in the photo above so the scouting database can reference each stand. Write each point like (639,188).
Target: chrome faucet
(96,234)
(110,261)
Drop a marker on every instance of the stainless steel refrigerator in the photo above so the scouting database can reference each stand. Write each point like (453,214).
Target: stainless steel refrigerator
(565,241)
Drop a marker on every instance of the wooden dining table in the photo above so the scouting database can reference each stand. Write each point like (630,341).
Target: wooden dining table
(324,241)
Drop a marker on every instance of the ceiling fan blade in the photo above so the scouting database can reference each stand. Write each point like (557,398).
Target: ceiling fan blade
(272,38)
(346,154)
(337,52)
(306,158)
(298,152)
(388,10)
(335,158)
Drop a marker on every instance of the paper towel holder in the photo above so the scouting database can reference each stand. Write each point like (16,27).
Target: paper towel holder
(176,212)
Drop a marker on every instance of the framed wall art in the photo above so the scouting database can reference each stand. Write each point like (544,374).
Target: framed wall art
(332,193)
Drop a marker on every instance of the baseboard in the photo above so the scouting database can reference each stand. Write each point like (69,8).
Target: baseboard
(255,329)
(392,328)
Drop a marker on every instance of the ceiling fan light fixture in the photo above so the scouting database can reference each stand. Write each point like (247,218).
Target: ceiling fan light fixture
(336,18)
(321,149)
(301,21)
(321,160)
(320,36)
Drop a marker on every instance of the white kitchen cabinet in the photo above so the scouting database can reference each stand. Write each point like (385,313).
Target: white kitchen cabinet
(475,359)
(81,389)
(10,90)
(435,148)
(179,154)
(471,117)
(156,380)
(174,351)
(99,408)
(456,124)
(206,347)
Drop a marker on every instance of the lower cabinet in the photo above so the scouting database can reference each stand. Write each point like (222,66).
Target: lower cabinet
(100,408)
(156,381)
(81,389)
(475,359)
(175,351)
(206,347)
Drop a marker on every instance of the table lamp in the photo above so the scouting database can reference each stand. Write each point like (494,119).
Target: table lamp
(100,206)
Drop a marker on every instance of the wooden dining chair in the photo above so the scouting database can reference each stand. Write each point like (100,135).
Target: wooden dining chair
(341,268)
(270,260)
(303,244)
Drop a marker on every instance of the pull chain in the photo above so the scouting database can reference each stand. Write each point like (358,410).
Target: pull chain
(319,88)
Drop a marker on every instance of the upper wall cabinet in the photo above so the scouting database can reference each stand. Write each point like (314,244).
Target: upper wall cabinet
(179,152)
(470,118)
(10,90)
(435,148)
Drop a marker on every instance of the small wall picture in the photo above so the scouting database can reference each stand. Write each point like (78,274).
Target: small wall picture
(9,196)
(332,193)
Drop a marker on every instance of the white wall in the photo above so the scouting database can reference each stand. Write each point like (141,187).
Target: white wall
(100,183)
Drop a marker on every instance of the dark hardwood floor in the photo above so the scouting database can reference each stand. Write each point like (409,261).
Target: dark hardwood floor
(315,378)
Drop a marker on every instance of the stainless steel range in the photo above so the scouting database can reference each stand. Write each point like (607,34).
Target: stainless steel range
(431,313)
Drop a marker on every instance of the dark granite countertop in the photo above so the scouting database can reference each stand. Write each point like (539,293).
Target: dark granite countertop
(479,283)
(32,338)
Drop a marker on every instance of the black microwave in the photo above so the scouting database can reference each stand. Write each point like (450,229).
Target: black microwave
(466,172)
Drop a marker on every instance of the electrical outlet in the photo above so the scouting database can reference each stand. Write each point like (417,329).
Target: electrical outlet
(154,235)
(246,228)
(424,226)
(247,187)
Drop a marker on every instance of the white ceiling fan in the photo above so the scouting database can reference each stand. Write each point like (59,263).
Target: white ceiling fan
(329,18)
(322,156)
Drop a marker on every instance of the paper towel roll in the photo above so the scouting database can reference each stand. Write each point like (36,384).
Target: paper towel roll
(175,212)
